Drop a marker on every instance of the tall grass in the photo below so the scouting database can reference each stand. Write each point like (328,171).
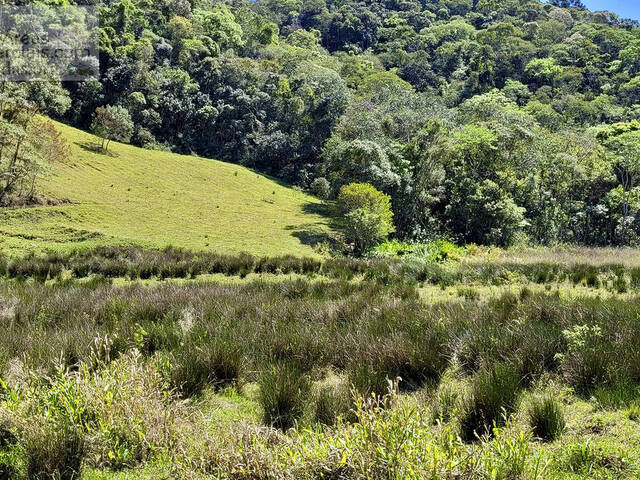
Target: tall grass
(546,418)
(494,396)
(285,390)
(54,450)
(285,335)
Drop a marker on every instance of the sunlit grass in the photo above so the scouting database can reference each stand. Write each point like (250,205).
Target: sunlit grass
(155,199)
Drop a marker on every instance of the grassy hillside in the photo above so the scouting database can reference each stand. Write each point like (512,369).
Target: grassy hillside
(154,199)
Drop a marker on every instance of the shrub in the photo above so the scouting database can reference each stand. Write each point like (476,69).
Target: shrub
(367,215)
(494,395)
(321,188)
(132,416)
(546,418)
(284,392)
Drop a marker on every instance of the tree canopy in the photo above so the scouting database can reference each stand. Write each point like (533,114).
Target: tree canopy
(479,119)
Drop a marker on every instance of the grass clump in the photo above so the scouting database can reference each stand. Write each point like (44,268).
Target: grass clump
(445,404)
(54,450)
(546,418)
(333,400)
(494,396)
(202,362)
(633,412)
(284,392)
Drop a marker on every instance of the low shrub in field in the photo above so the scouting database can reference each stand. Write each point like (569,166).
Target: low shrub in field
(111,415)
(131,413)
(284,392)
(586,364)
(494,395)
(546,418)
(48,425)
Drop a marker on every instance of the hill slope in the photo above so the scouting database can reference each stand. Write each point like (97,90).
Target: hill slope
(154,199)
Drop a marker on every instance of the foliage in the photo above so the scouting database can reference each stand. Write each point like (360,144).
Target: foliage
(321,188)
(112,123)
(28,146)
(438,251)
(86,370)
(367,215)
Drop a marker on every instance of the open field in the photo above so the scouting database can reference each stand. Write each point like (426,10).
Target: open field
(238,367)
(150,198)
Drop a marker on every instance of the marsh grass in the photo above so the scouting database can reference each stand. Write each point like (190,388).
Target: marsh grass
(203,361)
(333,400)
(546,418)
(53,450)
(494,396)
(132,356)
(285,390)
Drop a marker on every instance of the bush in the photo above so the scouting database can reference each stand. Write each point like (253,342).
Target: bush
(284,392)
(367,215)
(494,395)
(321,188)
(132,415)
(546,418)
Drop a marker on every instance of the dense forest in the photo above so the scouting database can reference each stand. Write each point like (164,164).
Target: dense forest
(486,121)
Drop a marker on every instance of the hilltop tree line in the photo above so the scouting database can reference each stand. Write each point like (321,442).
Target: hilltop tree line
(487,121)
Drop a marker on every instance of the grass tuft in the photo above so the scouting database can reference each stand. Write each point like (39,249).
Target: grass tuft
(285,390)
(546,418)
(494,396)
